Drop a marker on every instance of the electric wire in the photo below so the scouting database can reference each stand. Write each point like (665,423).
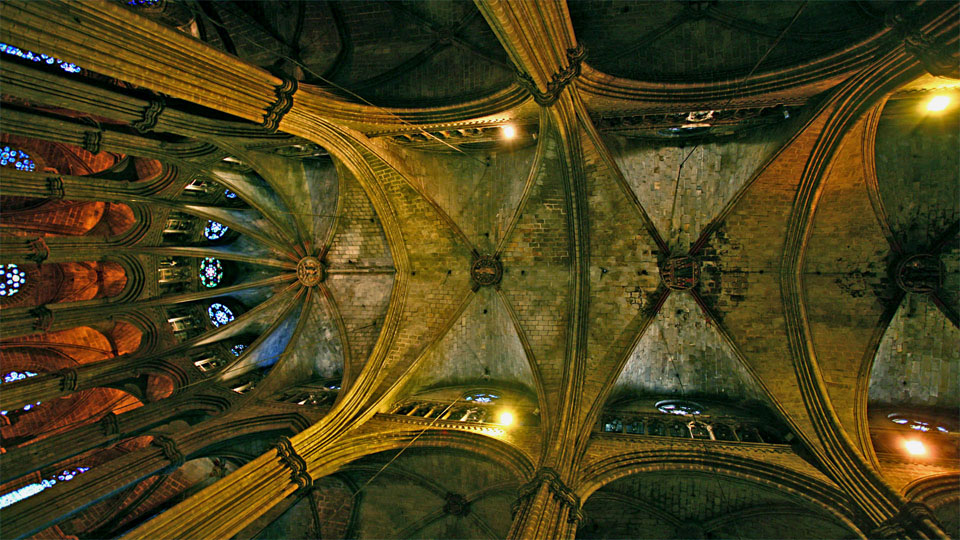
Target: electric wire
(302,66)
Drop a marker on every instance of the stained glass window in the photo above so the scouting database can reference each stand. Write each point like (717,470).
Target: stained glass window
(682,408)
(30,490)
(918,424)
(229,194)
(143,3)
(219,314)
(30,55)
(18,159)
(19,376)
(13,279)
(237,349)
(215,230)
(211,272)
(481,398)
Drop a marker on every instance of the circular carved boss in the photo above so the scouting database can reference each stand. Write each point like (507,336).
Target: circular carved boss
(921,273)
(486,270)
(680,273)
(310,271)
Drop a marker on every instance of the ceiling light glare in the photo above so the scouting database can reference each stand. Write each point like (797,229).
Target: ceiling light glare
(509,132)
(915,448)
(938,103)
(506,418)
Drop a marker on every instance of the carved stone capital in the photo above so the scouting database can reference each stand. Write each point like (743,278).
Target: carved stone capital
(558,81)
(297,465)
(170,451)
(912,519)
(44,318)
(151,115)
(68,380)
(275,112)
(40,250)
(557,487)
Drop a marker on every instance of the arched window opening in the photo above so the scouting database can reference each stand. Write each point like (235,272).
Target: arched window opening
(313,395)
(481,398)
(923,425)
(13,279)
(229,194)
(238,349)
(14,158)
(211,272)
(185,322)
(19,376)
(679,407)
(173,274)
(30,490)
(220,314)
(208,362)
(215,230)
(35,57)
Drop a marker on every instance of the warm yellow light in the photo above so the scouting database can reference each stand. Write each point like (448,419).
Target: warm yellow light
(509,132)
(915,448)
(506,418)
(938,103)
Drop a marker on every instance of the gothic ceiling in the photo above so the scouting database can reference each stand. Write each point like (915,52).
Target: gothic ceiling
(703,254)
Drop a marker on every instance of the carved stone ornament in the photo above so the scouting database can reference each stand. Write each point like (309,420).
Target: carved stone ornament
(486,271)
(310,271)
(921,273)
(680,273)
(456,505)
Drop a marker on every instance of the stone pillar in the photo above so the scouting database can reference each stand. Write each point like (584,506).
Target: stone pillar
(20,461)
(64,499)
(914,520)
(545,508)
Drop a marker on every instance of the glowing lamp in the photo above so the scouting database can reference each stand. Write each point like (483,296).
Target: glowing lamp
(509,132)
(938,103)
(506,418)
(915,448)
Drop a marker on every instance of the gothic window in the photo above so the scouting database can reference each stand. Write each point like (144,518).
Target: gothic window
(13,279)
(30,55)
(917,424)
(17,159)
(229,194)
(219,314)
(215,230)
(481,398)
(211,272)
(237,349)
(208,363)
(634,427)
(143,3)
(678,407)
(30,490)
(614,425)
(19,376)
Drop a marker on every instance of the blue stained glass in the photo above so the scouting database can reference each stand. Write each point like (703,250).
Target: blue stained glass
(30,490)
(18,159)
(30,55)
(481,398)
(219,314)
(13,279)
(18,376)
(229,194)
(237,349)
(211,272)
(143,3)
(215,230)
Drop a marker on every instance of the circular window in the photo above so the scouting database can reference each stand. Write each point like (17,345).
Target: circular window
(219,314)
(215,230)
(17,159)
(679,407)
(18,376)
(13,279)
(229,194)
(237,349)
(211,272)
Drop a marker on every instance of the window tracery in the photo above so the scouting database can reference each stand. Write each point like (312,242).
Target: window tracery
(30,490)
(215,230)
(17,159)
(220,314)
(238,349)
(13,279)
(679,407)
(229,194)
(19,376)
(30,55)
(211,272)
(917,424)
(481,398)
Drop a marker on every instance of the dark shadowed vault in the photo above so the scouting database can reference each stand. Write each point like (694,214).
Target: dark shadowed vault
(493,269)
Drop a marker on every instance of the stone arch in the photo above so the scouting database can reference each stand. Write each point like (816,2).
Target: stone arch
(810,492)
